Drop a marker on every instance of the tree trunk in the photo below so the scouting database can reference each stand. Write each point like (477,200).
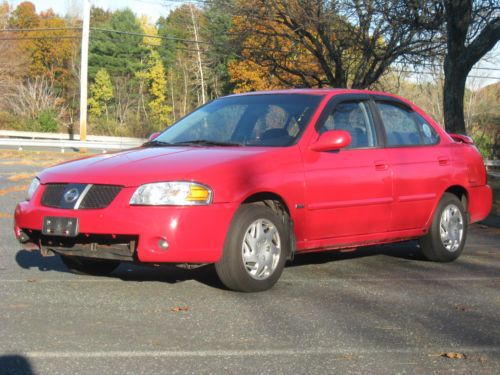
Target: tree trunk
(454,90)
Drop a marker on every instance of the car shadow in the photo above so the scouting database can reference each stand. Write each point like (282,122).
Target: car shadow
(126,271)
(34,259)
(408,250)
(206,274)
(170,274)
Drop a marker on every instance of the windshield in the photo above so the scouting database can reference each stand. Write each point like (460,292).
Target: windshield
(249,120)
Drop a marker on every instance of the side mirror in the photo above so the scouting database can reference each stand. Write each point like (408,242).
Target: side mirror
(332,140)
(153,136)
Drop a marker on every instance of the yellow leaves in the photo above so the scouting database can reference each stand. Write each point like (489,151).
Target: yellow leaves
(150,29)
(270,52)
(249,76)
(52,50)
(157,87)
(101,93)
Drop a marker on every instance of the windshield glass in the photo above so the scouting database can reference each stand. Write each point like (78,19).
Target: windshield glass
(249,120)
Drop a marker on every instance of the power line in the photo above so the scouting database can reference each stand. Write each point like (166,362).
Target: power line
(431,73)
(476,68)
(43,37)
(148,35)
(40,29)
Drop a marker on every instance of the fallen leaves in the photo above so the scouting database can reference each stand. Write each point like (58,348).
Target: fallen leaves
(20,176)
(4,215)
(13,189)
(179,308)
(453,355)
(464,308)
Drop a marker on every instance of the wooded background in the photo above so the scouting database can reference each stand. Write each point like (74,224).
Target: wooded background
(143,76)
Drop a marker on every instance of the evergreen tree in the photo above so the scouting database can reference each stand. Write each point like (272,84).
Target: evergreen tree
(120,54)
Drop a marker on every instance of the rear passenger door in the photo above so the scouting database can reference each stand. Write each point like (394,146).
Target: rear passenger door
(420,165)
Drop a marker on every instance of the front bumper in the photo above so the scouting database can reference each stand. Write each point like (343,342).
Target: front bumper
(194,234)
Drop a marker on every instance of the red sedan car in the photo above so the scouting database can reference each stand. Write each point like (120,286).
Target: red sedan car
(247,181)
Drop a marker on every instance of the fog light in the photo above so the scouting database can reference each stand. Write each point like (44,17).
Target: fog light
(163,244)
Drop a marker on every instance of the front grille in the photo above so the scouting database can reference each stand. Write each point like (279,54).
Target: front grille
(53,194)
(100,196)
(94,196)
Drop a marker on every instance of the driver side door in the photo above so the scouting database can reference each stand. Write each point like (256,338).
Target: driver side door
(349,191)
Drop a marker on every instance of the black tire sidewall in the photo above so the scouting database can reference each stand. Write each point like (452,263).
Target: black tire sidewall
(432,245)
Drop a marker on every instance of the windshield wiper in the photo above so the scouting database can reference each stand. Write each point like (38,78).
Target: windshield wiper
(155,143)
(203,142)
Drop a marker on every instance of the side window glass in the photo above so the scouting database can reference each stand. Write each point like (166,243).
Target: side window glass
(400,126)
(429,135)
(354,118)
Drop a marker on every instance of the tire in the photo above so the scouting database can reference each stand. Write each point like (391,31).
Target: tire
(86,266)
(448,232)
(255,250)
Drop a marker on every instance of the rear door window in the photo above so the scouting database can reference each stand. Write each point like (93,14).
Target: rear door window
(400,126)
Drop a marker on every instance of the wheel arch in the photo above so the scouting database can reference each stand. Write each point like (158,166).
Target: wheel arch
(278,204)
(460,192)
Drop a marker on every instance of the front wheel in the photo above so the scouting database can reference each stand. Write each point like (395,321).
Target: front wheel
(89,266)
(255,249)
(446,238)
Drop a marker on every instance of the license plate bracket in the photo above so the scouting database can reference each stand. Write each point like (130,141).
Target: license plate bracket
(60,226)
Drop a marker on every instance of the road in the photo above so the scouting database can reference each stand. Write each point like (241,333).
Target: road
(380,310)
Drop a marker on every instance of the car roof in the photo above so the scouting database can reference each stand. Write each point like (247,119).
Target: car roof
(322,91)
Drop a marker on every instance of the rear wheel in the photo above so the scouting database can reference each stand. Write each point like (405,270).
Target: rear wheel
(447,234)
(255,250)
(89,266)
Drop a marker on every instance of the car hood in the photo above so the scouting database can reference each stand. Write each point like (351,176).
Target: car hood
(213,166)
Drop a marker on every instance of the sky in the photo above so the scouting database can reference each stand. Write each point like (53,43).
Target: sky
(151,8)
(157,8)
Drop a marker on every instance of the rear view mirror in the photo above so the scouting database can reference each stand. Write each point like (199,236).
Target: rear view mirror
(332,140)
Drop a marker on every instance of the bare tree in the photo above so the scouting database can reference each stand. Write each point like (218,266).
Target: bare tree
(35,96)
(351,42)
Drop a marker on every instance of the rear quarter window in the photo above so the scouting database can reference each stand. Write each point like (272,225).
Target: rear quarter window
(429,134)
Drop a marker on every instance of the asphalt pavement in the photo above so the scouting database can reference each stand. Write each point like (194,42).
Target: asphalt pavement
(379,310)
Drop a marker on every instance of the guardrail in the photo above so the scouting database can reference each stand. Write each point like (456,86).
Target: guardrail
(62,141)
(492,165)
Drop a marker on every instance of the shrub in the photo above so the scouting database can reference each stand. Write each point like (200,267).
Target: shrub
(46,122)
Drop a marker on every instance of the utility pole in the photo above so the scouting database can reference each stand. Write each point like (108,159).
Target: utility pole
(200,66)
(84,70)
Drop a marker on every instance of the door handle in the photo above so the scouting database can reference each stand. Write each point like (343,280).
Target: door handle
(381,165)
(443,160)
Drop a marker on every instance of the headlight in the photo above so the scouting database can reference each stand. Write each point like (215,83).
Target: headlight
(177,193)
(33,186)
